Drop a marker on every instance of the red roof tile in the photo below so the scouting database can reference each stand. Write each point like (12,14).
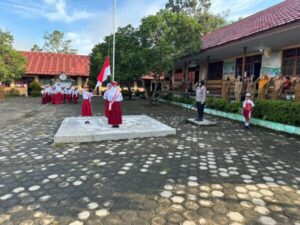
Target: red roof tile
(52,64)
(278,15)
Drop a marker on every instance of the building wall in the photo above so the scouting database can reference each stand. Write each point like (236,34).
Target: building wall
(272,65)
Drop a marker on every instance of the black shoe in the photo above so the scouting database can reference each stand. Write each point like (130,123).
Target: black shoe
(115,126)
(87,122)
(200,120)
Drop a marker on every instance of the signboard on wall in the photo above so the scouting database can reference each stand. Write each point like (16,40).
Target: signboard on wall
(272,65)
(270,71)
(229,68)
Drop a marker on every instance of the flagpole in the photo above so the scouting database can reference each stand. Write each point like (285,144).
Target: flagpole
(114,40)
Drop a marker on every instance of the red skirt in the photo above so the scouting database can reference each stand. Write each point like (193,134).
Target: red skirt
(58,98)
(68,100)
(53,98)
(115,115)
(75,99)
(44,99)
(86,108)
(247,115)
(106,110)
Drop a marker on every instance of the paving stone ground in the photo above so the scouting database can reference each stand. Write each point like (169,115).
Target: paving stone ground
(204,175)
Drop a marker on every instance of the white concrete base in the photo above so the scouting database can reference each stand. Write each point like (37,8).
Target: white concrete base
(205,122)
(74,129)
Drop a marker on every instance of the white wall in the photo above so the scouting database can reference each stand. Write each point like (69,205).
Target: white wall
(272,65)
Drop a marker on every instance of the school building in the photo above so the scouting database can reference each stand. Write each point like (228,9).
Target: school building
(267,42)
(45,68)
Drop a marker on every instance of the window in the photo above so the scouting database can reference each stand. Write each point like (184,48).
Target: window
(19,83)
(215,71)
(291,62)
(251,62)
(191,76)
(178,75)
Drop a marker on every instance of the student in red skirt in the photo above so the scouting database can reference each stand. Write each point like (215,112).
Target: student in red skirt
(75,95)
(44,96)
(58,94)
(86,108)
(248,106)
(53,95)
(115,98)
(105,96)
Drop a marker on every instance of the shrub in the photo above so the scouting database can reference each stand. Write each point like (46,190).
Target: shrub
(35,86)
(138,93)
(279,111)
(13,92)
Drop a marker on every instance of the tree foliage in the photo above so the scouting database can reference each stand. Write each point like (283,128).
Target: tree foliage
(36,48)
(12,62)
(55,42)
(199,10)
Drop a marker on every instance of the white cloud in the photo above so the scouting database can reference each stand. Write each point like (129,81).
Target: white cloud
(53,10)
(101,25)
(238,8)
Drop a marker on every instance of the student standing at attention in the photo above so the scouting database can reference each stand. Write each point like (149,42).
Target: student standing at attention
(248,106)
(200,99)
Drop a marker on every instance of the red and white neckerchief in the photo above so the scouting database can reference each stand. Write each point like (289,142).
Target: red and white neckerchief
(115,97)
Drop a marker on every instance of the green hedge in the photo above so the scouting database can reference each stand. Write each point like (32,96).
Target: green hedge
(181,99)
(286,112)
(279,111)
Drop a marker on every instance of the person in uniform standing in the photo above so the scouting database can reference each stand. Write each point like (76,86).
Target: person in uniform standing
(248,106)
(262,87)
(75,95)
(53,95)
(58,94)
(114,98)
(251,85)
(226,88)
(238,88)
(44,96)
(200,99)
(277,87)
(86,108)
(297,89)
(105,97)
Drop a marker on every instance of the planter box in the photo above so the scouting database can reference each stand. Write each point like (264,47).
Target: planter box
(263,123)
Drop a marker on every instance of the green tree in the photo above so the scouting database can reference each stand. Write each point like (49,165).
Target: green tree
(128,66)
(166,36)
(12,62)
(199,9)
(55,42)
(36,48)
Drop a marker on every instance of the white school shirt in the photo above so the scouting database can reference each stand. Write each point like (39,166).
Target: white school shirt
(248,101)
(58,89)
(87,95)
(112,94)
(75,92)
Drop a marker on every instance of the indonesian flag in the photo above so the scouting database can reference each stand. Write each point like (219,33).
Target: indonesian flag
(104,73)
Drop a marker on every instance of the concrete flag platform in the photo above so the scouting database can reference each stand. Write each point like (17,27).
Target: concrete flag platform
(75,129)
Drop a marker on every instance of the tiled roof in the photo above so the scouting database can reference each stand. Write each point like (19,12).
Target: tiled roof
(45,63)
(278,15)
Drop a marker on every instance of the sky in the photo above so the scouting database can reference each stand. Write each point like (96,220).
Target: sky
(86,22)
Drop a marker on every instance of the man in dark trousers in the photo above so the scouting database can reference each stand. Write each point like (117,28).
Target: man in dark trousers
(200,99)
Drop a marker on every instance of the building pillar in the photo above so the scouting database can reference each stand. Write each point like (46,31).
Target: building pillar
(36,78)
(186,71)
(135,87)
(206,77)
(244,62)
(79,82)
(173,78)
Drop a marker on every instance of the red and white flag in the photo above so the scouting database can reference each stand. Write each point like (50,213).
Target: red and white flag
(104,73)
